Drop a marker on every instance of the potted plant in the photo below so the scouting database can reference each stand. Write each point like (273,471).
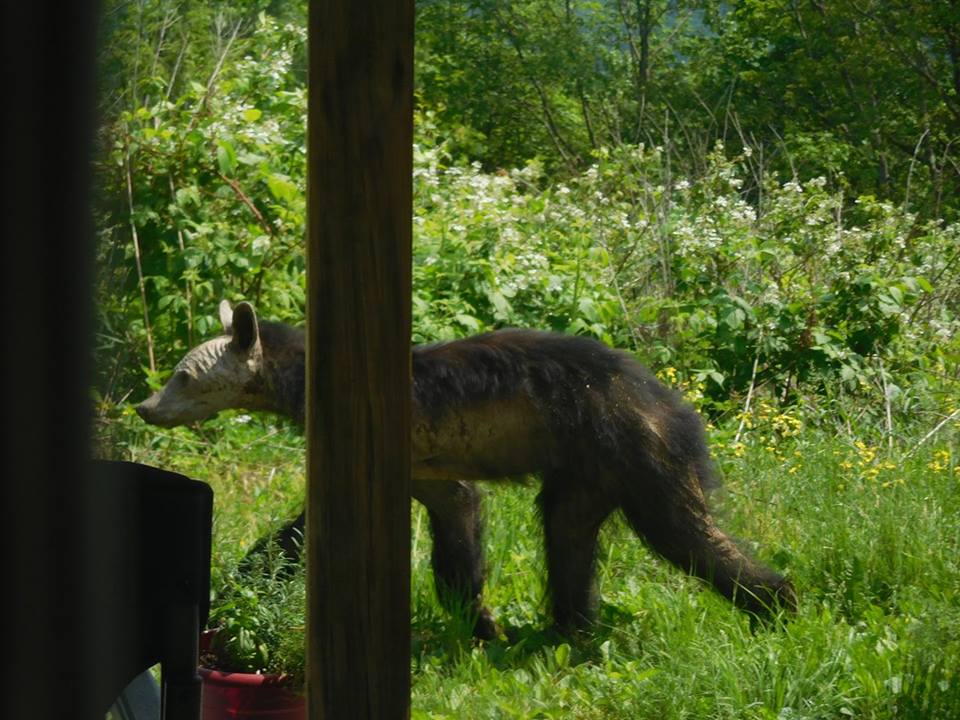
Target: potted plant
(252,657)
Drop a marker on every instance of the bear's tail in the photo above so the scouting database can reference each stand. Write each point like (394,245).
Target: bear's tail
(674,519)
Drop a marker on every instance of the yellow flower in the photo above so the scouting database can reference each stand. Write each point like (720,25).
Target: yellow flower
(669,374)
(940,462)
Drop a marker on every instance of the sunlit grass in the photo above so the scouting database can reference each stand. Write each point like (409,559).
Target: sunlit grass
(870,537)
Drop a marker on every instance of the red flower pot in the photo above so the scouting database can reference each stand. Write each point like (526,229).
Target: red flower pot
(248,696)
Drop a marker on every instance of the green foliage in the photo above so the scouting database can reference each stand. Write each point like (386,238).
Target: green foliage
(258,618)
(863,93)
(212,182)
(820,294)
(492,250)
(865,90)
(799,293)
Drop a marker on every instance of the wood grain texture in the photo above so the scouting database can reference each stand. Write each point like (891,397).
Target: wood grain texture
(360,136)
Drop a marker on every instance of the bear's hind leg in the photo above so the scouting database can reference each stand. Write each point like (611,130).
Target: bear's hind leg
(572,516)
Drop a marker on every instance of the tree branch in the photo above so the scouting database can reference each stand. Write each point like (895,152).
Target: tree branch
(137,256)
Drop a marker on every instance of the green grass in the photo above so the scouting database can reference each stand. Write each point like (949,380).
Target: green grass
(870,537)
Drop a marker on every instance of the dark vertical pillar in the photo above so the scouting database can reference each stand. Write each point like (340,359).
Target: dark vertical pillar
(47,70)
(358,368)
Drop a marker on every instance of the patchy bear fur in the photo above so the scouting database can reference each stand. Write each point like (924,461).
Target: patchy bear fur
(597,427)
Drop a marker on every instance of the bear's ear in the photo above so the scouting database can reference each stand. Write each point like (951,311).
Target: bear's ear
(246,331)
(226,316)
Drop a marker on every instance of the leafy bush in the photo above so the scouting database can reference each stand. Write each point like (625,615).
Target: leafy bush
(258,617)
(493,250)
(822,295)
(203,199)
(740,282)
(796,291)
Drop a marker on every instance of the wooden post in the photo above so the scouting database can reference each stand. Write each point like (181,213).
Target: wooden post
(360,135)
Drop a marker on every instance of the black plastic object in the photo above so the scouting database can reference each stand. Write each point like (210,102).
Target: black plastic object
(154,568)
